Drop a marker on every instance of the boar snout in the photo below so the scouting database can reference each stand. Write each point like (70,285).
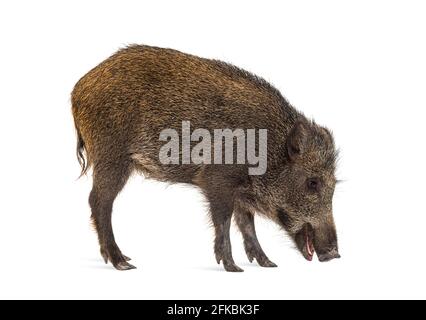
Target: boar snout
(320,239)
(330,255)
(326,242)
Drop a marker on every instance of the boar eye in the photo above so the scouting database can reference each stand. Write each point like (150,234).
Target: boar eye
(313,184)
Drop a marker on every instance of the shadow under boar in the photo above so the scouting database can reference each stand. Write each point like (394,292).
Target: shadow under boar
(121,106)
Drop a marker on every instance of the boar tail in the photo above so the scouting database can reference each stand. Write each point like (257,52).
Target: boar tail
(81,150)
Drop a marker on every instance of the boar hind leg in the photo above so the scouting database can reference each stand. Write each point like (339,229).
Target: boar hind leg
(245,222)
(108,180)
(221,213)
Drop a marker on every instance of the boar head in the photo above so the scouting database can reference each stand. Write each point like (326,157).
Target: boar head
(306,187)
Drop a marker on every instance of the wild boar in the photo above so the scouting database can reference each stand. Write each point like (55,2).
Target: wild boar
(122,106)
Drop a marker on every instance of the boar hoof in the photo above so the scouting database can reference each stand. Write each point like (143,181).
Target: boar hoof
(105,256)
(260,257)
(126,258)
(232,267)
(123,266)
(267,263)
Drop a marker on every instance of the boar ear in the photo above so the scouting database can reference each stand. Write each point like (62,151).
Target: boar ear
(296,141)
(328,136)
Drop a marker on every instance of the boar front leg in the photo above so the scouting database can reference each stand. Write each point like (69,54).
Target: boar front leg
(219,191)
(245,222)
(221,208)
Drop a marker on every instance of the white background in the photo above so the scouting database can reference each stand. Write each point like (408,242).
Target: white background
(358,67)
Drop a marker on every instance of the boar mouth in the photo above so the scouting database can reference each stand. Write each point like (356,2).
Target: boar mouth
(305,241)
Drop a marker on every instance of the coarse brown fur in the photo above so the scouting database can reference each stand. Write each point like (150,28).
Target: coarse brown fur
(121,106)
